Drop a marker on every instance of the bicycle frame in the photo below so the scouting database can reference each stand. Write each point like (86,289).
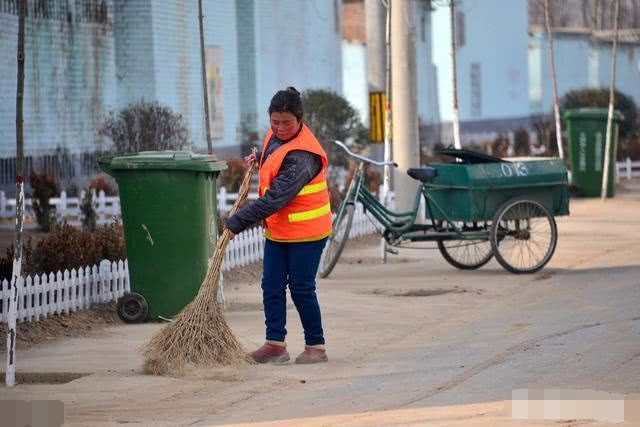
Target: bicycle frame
(402,225)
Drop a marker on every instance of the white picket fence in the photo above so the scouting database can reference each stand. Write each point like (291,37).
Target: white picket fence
(65,292)
(69,291)
(248,247)
(628,169)
(67,208)
(107,208)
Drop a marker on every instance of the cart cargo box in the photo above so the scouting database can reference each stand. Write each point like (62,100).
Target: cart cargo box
(473,188)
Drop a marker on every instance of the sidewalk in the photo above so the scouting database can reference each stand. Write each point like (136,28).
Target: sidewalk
(450,358)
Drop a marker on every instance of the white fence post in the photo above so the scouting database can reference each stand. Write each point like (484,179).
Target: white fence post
(628,164)
(3,205)
(62,206)
(222,199)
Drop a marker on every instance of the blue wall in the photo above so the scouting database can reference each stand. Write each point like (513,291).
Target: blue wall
(158,50)
(69,79)
(298,43)
(426,77)
(79,69)
(495,43)
(580,63)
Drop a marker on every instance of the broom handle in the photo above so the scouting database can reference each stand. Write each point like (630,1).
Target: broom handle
(243,192)
(244,187)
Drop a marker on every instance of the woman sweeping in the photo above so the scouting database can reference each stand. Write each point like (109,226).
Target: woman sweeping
(294,207)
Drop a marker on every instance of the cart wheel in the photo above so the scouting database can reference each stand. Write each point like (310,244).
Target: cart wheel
(132,308)
(466,254)
(337,240)
(523,235)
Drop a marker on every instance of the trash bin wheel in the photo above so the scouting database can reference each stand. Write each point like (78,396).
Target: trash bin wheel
(132,308)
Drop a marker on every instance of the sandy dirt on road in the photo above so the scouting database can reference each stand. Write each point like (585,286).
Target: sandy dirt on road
(411,342)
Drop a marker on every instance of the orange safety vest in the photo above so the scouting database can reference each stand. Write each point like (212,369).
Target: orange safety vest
(307,216)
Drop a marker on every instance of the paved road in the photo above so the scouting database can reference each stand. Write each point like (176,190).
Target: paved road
(402,359)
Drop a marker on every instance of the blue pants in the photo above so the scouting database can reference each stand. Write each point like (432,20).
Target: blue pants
(295,265)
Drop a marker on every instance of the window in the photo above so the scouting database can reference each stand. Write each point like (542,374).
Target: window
(476,89)
(460,33)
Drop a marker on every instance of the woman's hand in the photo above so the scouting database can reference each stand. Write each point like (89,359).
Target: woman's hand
(250,159)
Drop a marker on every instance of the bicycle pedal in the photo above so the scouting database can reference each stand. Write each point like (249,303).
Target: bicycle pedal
(392,250)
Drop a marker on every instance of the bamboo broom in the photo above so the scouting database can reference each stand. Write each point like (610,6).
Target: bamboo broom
(199,334)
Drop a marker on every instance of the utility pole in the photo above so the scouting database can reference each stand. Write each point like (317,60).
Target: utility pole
(556,107)
(376,13)
(375,19)
(612,100)
(10,376)
(406,150)
(454,77)
(378,30)
(205,91)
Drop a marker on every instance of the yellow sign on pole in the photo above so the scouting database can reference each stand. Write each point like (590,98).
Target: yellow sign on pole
(377,102)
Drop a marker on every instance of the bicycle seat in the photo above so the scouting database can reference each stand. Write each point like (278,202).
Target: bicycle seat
(425,174)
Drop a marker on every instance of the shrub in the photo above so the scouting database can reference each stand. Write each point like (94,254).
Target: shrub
(588,97)
(521,145)
(500,146)
(600,98)
(44,187)
(6,262)
(110,241)
(330,116)
(89,215)
(145,126)
(103,182)
(65,247)
(232,177)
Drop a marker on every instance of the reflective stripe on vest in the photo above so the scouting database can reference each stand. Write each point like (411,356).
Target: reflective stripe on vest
(308,189)
(311,214)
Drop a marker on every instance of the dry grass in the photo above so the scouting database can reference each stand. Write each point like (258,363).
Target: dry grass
(199,334)
(79,323)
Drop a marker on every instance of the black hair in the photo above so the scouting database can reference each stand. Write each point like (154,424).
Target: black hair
(287,101)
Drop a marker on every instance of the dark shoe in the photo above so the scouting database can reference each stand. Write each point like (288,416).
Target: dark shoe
(312,355)
(271,353)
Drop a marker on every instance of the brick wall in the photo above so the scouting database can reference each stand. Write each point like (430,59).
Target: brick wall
(353,24)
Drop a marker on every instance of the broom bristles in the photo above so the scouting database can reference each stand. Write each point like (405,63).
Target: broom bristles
(199,335)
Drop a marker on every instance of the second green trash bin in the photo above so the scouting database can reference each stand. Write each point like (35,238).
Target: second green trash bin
(586,130)
(169,213)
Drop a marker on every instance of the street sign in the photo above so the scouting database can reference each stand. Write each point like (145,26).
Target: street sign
(377,102)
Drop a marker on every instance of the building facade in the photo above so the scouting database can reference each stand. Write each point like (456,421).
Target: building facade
(503,70)
(86,58)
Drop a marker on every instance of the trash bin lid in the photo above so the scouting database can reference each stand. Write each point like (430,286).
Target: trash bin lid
(468,156)
(174,160)
(592,113)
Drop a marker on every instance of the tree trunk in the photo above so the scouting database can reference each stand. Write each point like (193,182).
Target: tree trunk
(612,99)
(205,92)
(10,376)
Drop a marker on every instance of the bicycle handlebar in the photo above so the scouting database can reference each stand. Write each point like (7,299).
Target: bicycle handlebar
(361,157)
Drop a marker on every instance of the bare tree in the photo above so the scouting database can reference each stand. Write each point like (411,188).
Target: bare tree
(612,98)
(10,376)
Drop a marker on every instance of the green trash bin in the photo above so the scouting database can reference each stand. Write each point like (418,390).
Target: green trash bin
(169,213)
(586,130)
